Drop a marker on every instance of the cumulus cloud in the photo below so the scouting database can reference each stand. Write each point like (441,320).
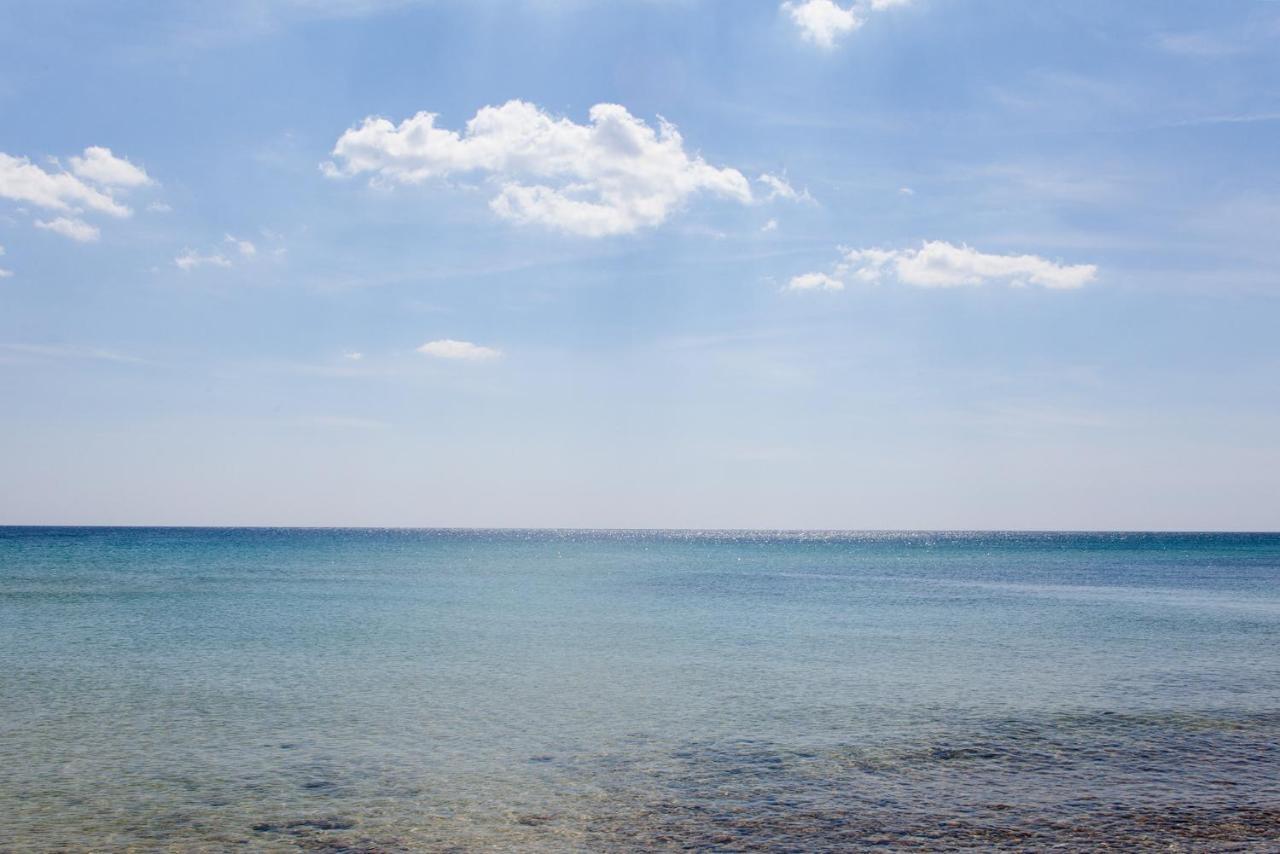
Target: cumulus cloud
(938,264)
(189,259)
(76,229)
(824,22)
(614,175)
(23,181)
(447,348)
(100,166)
(4,274)
(91,186)
(815,282)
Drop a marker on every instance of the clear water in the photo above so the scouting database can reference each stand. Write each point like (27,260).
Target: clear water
(360,690)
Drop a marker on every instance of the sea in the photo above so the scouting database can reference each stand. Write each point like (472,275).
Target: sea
(375,690)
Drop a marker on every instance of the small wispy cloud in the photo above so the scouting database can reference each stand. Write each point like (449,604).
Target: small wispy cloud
(76,229)
(244,247)
(239,251)
(448,348)
(1237,35)
(1228,119)
(4,274)
(780,188)
(64,352)
(189,259)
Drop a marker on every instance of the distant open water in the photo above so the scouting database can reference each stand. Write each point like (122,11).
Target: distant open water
(408,690)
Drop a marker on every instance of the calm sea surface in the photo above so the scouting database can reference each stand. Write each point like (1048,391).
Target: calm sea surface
(404,690)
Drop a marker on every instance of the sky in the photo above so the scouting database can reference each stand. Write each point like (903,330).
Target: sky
(641,263)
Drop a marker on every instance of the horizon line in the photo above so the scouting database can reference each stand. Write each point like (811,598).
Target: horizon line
(616,529)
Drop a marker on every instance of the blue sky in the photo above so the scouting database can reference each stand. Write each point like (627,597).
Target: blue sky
(644,263)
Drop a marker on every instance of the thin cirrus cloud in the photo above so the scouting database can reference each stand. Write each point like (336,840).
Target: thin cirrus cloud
(939,264)
(463,351)
(4,274)
(824,22)
(614,175)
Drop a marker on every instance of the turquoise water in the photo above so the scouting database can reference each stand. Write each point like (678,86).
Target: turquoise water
(401,690)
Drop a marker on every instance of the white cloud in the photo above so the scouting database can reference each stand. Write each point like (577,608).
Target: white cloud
(4,274)
(822,21)
(245,250)
(815,282)
(353,356)
(447,348)
(100,166)
(906,191)
(771,225)
(244,247)
(938,264)
(23,181)
(159,207)
(90,187)
(76,229)
(189,259)
(615,175)
(779,188)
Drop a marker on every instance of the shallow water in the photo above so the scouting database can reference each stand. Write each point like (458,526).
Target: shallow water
(172,689)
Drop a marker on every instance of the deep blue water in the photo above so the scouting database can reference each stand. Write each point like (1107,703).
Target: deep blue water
(398,690)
